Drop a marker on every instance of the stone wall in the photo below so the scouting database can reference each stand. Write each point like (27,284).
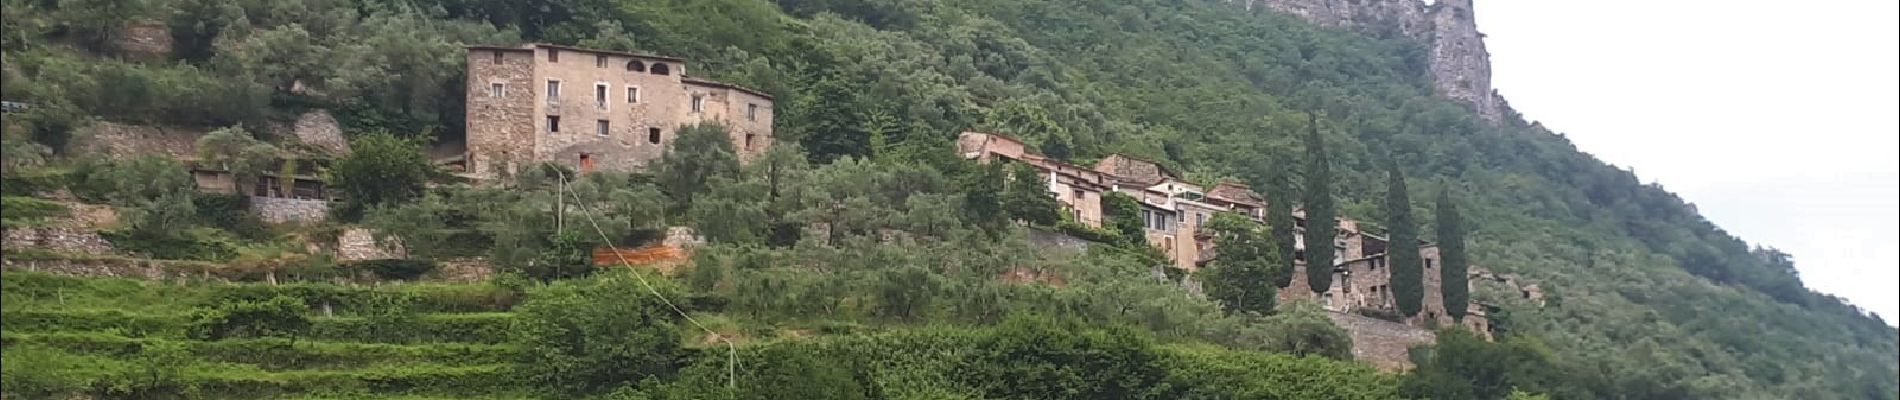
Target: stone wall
(118,268)
(278,210)
(59,240)
(1383,344)
(358,244)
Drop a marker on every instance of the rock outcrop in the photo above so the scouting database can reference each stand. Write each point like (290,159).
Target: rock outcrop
(1460,65)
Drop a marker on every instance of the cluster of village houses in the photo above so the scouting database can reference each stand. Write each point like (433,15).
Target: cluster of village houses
(608,110)
(1175,214)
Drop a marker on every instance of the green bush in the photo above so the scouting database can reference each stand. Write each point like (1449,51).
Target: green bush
(397,269)
(116,321)
(18,210)
(598,334)
(486,328)
(230,212)
(279,316)
(27,182)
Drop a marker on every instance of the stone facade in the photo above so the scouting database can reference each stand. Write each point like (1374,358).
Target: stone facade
(279,210)
(1460,66)
(594,109)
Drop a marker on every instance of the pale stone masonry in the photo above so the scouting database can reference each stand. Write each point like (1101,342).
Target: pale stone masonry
(595,109)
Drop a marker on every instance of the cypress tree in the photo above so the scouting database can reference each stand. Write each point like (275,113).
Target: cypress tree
(1408,274)
(1453,283)
(1319,211)
(1280,229)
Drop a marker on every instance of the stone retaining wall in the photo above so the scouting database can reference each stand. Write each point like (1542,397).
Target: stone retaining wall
(278,210)
(1384,344)
(62,240)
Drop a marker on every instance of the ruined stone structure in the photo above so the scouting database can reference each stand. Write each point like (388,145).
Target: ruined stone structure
(1459,64)
(595,109)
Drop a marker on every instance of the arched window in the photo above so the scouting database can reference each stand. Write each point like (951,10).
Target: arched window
(660,69)
(636,66)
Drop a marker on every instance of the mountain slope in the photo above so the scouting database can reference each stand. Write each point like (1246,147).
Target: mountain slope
(1648,295)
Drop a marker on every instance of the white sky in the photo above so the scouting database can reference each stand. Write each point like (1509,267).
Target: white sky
(1777,119)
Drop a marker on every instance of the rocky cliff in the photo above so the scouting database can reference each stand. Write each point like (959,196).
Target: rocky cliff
(1460,66)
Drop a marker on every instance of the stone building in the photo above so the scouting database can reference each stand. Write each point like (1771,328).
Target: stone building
(595,109)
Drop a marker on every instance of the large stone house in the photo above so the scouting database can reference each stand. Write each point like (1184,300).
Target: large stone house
(595,109)
(1175,213)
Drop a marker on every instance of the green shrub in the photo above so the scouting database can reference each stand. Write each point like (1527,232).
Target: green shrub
(1088,233)
(595,335)
(27,182)
(397,269)
(279,316)
(488,328)
(20,210)
(230,212)
(115,321)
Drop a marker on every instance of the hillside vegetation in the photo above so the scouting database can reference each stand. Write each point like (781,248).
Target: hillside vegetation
(1647,298)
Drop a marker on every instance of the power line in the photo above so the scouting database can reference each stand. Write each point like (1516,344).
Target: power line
(732,352)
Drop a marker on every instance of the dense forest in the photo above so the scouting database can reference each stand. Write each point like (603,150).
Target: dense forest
(1647,299)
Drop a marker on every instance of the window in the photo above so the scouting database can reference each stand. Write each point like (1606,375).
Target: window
(554,55)
(660,69)
(653,135)
(751,111)
(600,61)
(497,90)
(1200,219)
(1079,195)
(587,162)
(600,95)
(1428,263)
(699,103)
(633,94)
(636,66)
(497,56)
(600,127)
(554,124)
(748,141)
(554,92)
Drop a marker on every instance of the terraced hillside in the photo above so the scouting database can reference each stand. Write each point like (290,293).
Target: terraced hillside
(131,339)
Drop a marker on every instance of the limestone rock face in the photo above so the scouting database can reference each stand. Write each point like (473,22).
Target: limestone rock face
(318,129)
(1460,65)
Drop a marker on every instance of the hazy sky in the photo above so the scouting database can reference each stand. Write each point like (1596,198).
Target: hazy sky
(1776,119)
